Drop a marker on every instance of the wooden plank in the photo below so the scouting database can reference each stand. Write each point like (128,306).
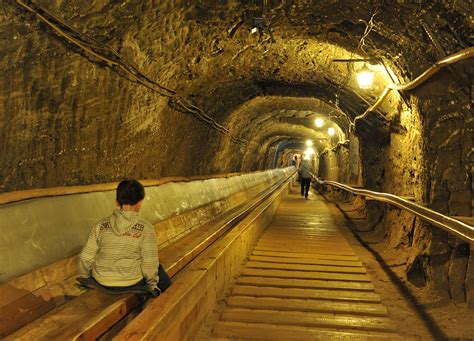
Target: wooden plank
(22,311)
(70,320)
(303,232)
(304,239)
(268,332)
(309,319)
(305,267)
(305,275)
(304,283)
(21,286)
(315,261)
(61,270)
(310,246)
(65,291)
(308,240)
(273,303)
(336,295)
(294,248)
(314,255)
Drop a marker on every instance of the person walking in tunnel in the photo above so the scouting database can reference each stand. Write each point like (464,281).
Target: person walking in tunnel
(294,161)
(121,253)
(305,172)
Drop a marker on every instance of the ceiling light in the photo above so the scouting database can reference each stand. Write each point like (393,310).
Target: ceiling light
(319,122)
(308,153)
(309,143)
(365,77)
(331,131)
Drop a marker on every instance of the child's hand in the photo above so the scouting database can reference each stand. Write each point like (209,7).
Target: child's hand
(154,291)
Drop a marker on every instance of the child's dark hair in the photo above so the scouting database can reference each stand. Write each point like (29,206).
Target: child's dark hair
(130,192)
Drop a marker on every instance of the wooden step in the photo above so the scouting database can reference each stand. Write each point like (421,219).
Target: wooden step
(305,275)
(270,332)
(309,319)
(306,246)
(274,303)
(301,242)
(303,232)
(305,267)
(304,283)
(315,261)
(335,295)
(315,255)
(295,248)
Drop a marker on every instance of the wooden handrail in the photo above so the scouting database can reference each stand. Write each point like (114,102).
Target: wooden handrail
(449,224)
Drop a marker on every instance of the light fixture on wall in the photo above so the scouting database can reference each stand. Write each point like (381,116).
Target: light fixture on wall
(365,77)
(309,143)
(331,131)
(319,122)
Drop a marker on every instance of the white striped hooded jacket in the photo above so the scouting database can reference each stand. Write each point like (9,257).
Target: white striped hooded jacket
(120,251)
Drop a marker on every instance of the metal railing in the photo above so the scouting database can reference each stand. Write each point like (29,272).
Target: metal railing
(449,224)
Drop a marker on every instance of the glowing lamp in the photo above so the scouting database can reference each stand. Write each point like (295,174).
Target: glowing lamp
(308,153)
(331,131)
(365,77)
(309,143)
(319,122)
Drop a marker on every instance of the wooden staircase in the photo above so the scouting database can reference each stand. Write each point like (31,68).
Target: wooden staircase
(303,282)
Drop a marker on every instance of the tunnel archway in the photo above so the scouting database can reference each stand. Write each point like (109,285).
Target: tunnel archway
(102,90)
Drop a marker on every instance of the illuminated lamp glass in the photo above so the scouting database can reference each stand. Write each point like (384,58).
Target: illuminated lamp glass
(365,77)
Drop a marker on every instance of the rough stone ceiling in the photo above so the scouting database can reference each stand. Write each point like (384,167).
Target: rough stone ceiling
(205,52)
(294,50)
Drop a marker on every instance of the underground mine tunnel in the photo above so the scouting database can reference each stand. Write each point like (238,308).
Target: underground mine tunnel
(207,103)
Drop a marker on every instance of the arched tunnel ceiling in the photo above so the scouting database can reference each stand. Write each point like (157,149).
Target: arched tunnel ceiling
(209,43)
(300,111)
(205,53)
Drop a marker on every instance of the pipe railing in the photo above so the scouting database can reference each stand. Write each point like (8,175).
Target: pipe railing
(449,224)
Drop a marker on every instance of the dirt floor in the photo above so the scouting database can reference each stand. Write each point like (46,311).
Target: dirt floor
(419,312)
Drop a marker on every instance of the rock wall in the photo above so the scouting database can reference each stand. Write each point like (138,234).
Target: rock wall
(425,157)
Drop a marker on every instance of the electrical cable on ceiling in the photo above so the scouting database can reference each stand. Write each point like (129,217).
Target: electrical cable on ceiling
(116,62)
(360,46)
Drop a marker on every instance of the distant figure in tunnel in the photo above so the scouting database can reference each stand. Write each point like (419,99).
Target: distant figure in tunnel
(121,253)
(305,172)
(294,161)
